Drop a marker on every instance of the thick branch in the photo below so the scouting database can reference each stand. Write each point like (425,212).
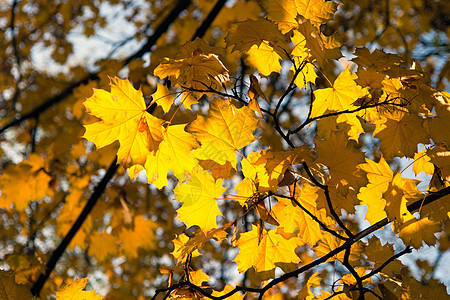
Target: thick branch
(160,30)
(430,197)
(56,255)
(50,102)
(200,32)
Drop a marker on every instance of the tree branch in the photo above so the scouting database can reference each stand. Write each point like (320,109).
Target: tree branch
(261,291)
(200,32)
(391,259)
(327,197)
(160,30)
(59,251)
(321,224)
(182,4)
(337,113)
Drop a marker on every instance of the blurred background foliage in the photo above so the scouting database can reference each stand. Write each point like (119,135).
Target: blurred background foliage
(54,52)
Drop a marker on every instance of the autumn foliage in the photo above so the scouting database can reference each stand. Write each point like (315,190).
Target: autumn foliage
(265,152)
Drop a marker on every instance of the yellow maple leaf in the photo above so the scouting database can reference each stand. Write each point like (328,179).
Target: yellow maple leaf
(123,118)
(173,154)
(263,252)
(224,131)
(312,281)
(282,13)
(268,166)
(314,40)
(422,163)
(188,99)
(198,277)
(178,244)
(400,137)
(74,291)
(163,97)
(199,71)
(249,33)
(400,190)
(264,58)
(141,236)
(199,197)
(317,11)
(329,242)
(379,176)
(246,188)
(355,125)
(293,218)
(200,237)
(341,157)
(340,97)
(414,232)
(373,198)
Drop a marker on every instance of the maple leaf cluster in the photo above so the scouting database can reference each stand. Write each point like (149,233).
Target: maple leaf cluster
(269,161)
(311,187)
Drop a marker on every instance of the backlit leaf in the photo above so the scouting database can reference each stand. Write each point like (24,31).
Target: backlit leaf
(282,13)
(123,118)
(74,291)
(174,154)
(199,197)
(400,137)
(263,252)
(264,58)
(200,71)
(223,132)
(414,232)
(317,11)
(340,97)
(250,33)
(163,97)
